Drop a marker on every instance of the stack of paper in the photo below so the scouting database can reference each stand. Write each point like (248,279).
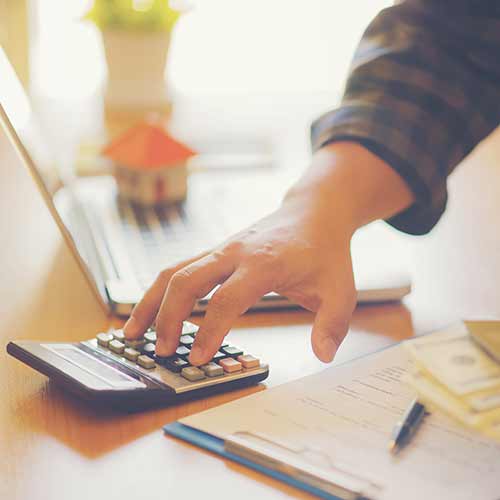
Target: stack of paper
(454,372)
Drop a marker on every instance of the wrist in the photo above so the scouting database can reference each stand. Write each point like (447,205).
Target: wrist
(349,184)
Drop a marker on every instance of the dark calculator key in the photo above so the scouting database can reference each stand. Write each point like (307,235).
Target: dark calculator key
(218,356)
(186,340)
(164,360)
(148,349)
(182,351)
(172,363)
(150,337)
(232,351)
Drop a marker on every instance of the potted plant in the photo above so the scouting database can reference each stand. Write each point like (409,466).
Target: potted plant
(136,37)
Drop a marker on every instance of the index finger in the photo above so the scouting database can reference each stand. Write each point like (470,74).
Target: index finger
(145,311)
(186,286)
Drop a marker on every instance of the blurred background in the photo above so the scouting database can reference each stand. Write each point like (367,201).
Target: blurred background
(256,64)
(238,81)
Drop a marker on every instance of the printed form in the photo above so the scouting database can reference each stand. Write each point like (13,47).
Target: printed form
(340,421)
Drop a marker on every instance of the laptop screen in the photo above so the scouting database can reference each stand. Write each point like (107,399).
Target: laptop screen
(20,122)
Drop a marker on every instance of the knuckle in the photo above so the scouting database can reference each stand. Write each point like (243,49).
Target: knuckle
(164,276)
(267,261)
(179,279)
(232,247)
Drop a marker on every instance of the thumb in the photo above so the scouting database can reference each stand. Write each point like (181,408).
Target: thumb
(330,327)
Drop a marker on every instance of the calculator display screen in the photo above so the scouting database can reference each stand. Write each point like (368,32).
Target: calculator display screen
(92,365)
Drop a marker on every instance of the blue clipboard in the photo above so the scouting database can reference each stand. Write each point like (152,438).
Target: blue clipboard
(216,445)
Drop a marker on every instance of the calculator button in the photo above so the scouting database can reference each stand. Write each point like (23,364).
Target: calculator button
(248,361)
(192,373)
(172,363)
(230,365)
(103,339)
(150,337)
(212,370)
(145,362)
(119,335)
(131,354)
(189,328)
(182,351)
(186,340)
(116,346)
(135,343)
(148,349)
(232,351)
(218,356)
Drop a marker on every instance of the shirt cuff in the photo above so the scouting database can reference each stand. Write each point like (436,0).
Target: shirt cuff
(388,143)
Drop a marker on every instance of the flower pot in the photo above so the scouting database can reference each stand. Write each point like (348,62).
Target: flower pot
(136,70)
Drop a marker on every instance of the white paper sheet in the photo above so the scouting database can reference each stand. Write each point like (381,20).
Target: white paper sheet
(348,413)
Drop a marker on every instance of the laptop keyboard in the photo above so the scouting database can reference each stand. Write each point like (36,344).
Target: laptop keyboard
(159,237)
(138,242)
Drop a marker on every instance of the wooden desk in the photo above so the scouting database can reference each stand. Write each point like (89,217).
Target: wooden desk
(54,448)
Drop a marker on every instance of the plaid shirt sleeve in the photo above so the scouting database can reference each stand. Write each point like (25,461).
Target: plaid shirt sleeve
(423,90)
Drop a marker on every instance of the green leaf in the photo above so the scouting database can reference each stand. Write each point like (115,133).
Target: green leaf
(133,15)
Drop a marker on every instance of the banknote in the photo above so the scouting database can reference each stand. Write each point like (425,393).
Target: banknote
(486,333)
(453,359)
(436,397)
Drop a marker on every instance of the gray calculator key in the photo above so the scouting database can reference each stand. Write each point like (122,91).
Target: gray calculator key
(212,370)
(182,351)
(119,335)
(117,346)
(186,340)
(149,349)
(146,362)
(103,339)
(150,337)
(135,344)
(131,354)
(192,373)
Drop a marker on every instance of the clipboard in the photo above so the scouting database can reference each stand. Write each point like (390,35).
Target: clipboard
(285,432)
(216,445)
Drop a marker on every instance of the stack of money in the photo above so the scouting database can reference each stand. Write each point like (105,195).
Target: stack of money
(457,371)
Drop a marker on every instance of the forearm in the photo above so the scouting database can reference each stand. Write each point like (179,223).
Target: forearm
(422,92)
(347,184)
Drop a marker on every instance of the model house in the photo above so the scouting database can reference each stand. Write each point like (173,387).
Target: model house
(149,165)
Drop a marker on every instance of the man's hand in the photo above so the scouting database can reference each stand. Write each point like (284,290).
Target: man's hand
(301,251)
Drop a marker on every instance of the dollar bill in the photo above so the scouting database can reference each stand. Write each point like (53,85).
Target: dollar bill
(436,397)
(453,359)
(486,334)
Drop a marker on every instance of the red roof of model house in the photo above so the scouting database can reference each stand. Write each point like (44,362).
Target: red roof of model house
(147,146)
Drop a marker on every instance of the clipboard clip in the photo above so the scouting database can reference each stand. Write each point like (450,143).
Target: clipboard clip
(303,463)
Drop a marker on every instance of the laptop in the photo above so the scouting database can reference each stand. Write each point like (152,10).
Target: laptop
(122,247)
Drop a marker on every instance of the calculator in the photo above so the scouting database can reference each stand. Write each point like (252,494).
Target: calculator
(127,374)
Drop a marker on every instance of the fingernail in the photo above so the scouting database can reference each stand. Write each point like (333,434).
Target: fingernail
(196,355)
(131,327)
(328,348)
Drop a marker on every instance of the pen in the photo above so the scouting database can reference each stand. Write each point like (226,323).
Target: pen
(405,428)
